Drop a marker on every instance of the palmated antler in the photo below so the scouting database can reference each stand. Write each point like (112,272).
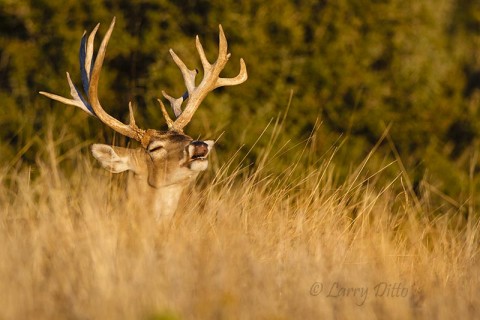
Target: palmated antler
(90,77)
(211,80)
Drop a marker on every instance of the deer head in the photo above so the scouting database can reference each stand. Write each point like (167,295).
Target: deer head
(167,161)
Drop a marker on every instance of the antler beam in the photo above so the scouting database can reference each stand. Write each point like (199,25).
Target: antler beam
(90,78)
(130,130)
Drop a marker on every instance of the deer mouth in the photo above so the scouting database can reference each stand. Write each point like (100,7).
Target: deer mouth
(199,150)
(197,157)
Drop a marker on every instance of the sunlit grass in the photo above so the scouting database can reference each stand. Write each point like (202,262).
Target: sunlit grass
(247,244)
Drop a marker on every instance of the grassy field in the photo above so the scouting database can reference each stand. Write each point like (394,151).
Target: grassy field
(247,245)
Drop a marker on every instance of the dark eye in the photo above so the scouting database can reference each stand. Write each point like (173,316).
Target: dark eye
(155,148)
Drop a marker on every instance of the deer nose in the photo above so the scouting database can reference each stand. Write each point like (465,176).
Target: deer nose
(200,148)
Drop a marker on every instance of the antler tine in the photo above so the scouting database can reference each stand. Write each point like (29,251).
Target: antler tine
(210,81)
(222,46)
(203,58)
(188,75)
(77,100)
(223,56)
(175,103)
(131,116)
(165,115)
(240,78)
(131,131)
(189,79)
(89,51)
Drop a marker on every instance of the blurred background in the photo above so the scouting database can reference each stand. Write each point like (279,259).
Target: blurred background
(346,75)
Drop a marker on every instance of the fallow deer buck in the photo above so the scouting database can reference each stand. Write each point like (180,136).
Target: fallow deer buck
(167,160)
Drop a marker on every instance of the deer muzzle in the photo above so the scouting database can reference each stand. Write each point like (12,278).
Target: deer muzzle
(197,154)
(199,150)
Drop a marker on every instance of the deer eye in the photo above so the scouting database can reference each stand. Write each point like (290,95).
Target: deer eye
(154,148)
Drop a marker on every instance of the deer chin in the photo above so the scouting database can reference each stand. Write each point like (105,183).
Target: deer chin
(198,164)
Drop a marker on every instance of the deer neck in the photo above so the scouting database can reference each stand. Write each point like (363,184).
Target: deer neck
(165,200)
(161,201)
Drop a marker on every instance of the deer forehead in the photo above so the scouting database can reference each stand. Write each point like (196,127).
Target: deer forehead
(165,140)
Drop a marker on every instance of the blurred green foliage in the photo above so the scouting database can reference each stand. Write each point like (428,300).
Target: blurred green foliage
(355,67)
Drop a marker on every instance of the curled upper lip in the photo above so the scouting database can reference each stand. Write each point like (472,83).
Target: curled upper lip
(198,150)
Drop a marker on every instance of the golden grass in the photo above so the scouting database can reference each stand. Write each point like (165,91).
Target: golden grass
(247,246)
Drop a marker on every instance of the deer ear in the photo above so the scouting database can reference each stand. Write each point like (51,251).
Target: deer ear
(114,159)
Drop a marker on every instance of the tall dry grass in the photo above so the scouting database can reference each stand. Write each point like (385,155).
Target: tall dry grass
(249,245)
